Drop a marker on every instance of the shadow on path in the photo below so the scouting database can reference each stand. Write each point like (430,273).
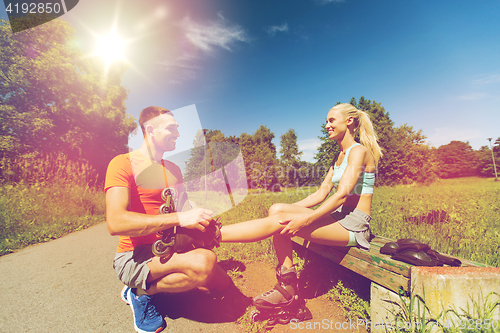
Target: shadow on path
(216,307)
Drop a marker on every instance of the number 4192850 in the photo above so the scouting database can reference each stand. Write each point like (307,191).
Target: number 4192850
(33,8)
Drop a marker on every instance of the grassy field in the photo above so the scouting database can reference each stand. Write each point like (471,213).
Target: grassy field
(457,216)
(38,213)
(45,197)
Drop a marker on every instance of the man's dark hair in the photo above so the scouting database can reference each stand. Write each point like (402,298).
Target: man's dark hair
(150,113)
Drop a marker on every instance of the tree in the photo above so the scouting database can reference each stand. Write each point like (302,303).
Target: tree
(259,154)
(214,163)
(327,151)
(289,158)
(457,159)
(54,100)
(411,159)
(485,163)
(406,158)
(383,126)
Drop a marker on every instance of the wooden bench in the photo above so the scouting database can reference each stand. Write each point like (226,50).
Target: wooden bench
(443,288)
(377,267)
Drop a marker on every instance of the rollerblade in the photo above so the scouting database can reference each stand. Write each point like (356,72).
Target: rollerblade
(281,304)
(178,239)
(164,246)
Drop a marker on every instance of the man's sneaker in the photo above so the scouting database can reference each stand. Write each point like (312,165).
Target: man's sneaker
(146,319)
(123,294)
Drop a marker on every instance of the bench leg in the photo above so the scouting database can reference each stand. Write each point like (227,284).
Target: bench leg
(383,303)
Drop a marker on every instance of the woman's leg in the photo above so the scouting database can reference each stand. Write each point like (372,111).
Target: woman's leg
(325,231)
(283,243)
(259,229)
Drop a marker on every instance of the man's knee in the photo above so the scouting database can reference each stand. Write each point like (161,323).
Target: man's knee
(203,265)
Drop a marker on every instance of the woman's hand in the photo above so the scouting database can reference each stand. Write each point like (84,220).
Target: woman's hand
(293,226)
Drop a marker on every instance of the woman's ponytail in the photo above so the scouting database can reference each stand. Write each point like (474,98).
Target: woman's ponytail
(364,124)
(367,135)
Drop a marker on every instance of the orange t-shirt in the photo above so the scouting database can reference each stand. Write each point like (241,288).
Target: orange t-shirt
(145,178)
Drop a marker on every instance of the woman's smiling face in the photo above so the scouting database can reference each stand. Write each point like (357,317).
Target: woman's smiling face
(336,124)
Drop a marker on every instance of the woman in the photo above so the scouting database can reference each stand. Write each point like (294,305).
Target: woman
(341,220)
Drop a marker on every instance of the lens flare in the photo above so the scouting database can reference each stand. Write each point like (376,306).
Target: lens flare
(111,48)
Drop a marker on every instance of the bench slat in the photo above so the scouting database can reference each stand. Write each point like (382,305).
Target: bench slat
(361,263)
(379,268)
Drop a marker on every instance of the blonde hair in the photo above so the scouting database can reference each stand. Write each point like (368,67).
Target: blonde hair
(363,123)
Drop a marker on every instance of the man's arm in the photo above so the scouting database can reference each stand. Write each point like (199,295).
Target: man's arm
(123,222)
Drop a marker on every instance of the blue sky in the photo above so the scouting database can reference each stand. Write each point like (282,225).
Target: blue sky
(434,65)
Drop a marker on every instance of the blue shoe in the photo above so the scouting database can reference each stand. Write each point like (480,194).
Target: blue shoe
(146,318)
(123,294)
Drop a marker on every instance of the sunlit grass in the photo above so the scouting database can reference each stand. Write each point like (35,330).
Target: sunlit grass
(44,198)
(460,217)
(456,216)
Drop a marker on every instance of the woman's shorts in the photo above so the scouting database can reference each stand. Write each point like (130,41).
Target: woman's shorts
(132,266)
(356,221)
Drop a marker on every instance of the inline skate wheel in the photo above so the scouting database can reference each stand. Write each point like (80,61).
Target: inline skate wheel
(165,209)
(284,317)
(169,191)
(159,248)
(254,315)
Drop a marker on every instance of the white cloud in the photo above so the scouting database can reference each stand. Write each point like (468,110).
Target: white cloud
(472,96)
(444,135)
(309,147)
(186,64)
(324,2)
(203,38)
(213,34)
(489,78)
(275,28)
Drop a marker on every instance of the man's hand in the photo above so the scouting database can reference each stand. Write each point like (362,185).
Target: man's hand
(196,218)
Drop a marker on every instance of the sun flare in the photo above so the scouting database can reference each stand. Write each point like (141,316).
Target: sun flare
(111,48)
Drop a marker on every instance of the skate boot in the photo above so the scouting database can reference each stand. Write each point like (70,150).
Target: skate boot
(282,303)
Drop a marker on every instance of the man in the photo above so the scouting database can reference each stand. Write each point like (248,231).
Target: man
(134,183)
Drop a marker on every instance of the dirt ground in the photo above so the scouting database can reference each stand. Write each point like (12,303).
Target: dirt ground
(233,305)
(259,277)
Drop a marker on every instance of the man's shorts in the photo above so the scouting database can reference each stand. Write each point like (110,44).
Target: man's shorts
(132,266)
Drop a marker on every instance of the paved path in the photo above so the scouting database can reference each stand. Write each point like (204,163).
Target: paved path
(69,285)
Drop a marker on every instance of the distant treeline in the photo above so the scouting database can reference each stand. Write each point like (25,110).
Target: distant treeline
(407,158)
(56,104)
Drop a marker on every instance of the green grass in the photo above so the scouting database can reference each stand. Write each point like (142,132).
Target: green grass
(479,316)
(457,216)
(354,307)
(460,217)
(45,197)
(36,213)
(411,314)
